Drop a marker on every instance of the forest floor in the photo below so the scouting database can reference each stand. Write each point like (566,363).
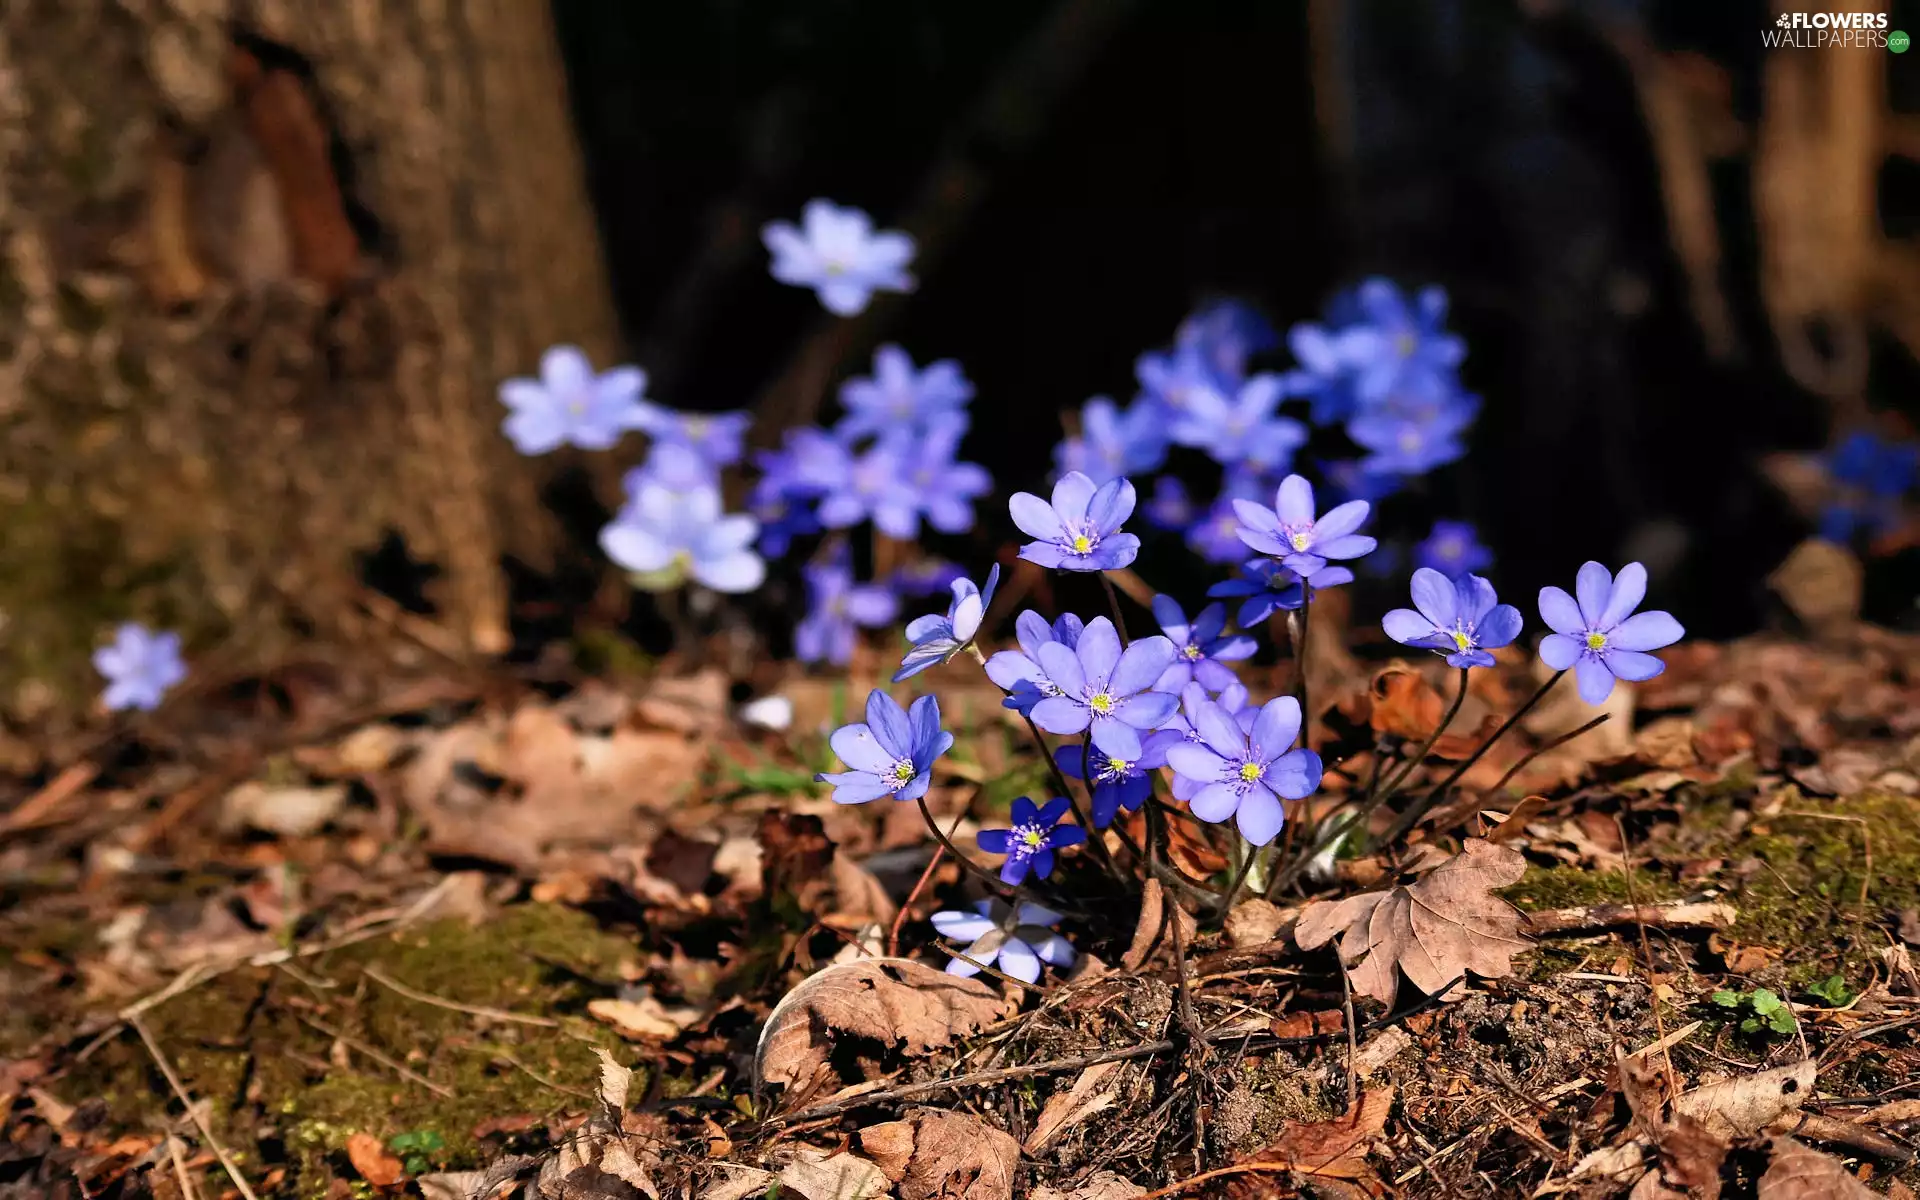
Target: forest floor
(313,936)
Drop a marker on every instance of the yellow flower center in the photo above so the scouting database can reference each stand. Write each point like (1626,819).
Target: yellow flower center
(1033,837)
(1410,440)
(1596,641)
(1119,766)
(1406,344)
(1300,540)
(1082,543)
(577,408)
(1191,651)
(1461,641)
(903,771)
(1251,772)
(1101,703)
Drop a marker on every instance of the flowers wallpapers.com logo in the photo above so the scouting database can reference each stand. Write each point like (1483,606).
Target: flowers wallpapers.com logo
(1834,31)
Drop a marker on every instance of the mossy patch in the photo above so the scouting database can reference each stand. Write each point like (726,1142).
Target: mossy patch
(1544,888)
(259,1044)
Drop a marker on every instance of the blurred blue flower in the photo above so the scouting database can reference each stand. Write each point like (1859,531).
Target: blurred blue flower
(869,485)
(1598,636)
(1268,586)
(781,502)
(664,536)
(943,488)
(1170,508)
(836,605)
(891,753)
(1030,844)
(1405,341)
(570,404)
(1016,937)
(937,639)
(837,254)
(1453,549)
(1290,532)
(1458,617)
(927,577)
(1244,774)
(139,666)
(1018,672)
(1872,475)
(1103,687)
(1113,442)
(899,397)
(1216,536)
(1350,479)
(1200,650)
(1414,437)
(1228,333)
(718,438)
(1242,428)
(1172,380)
(1080,529)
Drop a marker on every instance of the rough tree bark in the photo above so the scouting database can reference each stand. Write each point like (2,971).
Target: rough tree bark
(262,266)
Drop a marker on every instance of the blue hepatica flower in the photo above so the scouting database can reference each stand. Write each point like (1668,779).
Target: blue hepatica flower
(937,639)
(1236,702)
(837,606)
(1216,536)
(139,666)
(1598,635)
(570,405)
(1243,427)
(859,487)
(1460,618)
(1244,774)
(836,253)
(782,503)
(1268,587)
(899,397)
(1209,354)
(891,753)
(664,536)
(718,438)
(943,488)
(1080,529)
(671,465)
(1170,508)
(1117,782)
(1290,533)
(1018,672)
(1030,844)
(1403,340)
(1113,442)
(1103,687)
(928,577)
(1453,549)
(1871,476)
(1416,438)
(1016,937)
(1200,651)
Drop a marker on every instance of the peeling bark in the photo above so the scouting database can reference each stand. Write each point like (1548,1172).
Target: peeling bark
(262,266)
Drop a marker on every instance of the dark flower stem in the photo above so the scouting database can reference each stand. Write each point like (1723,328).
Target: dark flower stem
(1094,836)
(1413,764)
(1000,886)
(1419,808)
(1300,665)
(1113,602)
(1239,881)
(1562,740)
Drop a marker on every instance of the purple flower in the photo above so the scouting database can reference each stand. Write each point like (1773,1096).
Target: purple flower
(674,466)
(1244,774)
(1403,341)
(1460,618)
(928,577)
(857,487)
(1030,844)
(1018,672)
(837,605)
(1452,549)
(1216,536)
(663,536)
(781,503)
(936,639)
(838,255)
(942,487)
(1871,476)
(1112,442)
(1242,429)
(139,665)
(1413,440)
(1173,381)
(1289,532)
(1268,586)
(897,397)
(1235,702)
(1017,937)
(718,438)
(891,754)
(1170,507)
(1328,361)
(1080,529)
(1598,637)
(569,404)
(1227,333)
(1200,652)
(1102,687)
(1117,782)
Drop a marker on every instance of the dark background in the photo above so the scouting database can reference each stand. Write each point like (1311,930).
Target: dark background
(1495,150)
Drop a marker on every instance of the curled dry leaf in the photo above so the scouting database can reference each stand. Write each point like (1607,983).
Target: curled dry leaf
(370,1157)
(1090,1094)
(895,1001)
(937,1155)
(812,1175)
(1404,703)
(1744,1106)
(645,1019)
(1436,930)
(1101,1185)
(1799,1172)
(1334,1149)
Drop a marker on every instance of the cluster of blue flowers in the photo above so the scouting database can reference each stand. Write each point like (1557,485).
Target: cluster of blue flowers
(1871,478)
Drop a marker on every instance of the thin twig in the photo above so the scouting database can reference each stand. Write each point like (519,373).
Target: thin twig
(999,886)
(926,876)
(1174,1189)
(1353,1039)
(475,1010)
(1419,808)
(187,1190)
(394,1065)
(1555,744)
(193,1111)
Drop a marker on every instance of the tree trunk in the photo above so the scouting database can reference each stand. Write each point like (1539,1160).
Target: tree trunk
(262,267)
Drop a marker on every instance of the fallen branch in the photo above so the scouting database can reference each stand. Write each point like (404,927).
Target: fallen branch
(193,1110)
(1673,914)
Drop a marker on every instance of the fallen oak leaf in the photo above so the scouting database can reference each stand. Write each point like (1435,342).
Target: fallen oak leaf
(645,1019)
(937,1155)
(369,1156)
(1436,930)
(1334,1149)
(891,1000)
(1404,703)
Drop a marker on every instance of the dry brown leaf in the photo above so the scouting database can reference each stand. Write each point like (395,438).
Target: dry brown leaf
(1799,1172)
(839,1176)
(645,1019)
(1337,1148)
(291,812)
(370,1157)
(936,1155)
(1101,1185)
(1435,930)
(1318,1023)
(1404,703)
(1088,1095)
(1255,923)
(1746,1105)
(893,1000)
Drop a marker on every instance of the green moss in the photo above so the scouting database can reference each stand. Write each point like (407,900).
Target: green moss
(240,1041)
(605,653)
(1574,887)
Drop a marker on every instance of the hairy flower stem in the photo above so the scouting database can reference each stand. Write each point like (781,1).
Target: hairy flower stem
(1113,602)
(1419,808)
(1300,666)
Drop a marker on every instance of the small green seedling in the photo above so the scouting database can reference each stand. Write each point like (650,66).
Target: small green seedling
(1769,1011)
(1833,989)
(414,1146)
